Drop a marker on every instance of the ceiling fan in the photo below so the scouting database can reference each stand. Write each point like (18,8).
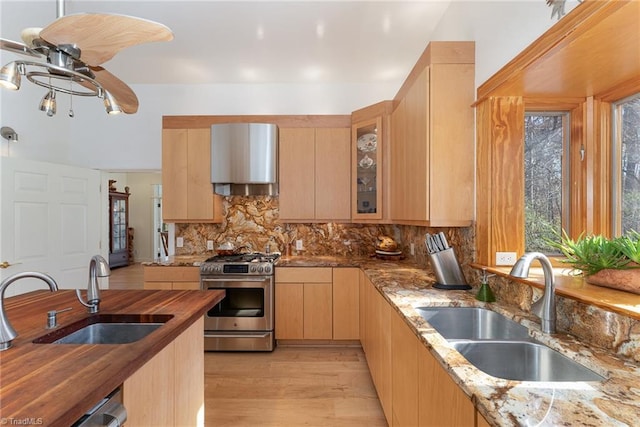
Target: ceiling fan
(70,52)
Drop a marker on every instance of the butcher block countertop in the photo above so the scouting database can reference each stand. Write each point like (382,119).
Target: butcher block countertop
(55,384)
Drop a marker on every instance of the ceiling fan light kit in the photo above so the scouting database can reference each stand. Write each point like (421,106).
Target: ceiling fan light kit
(10,76)
(48,103)
(73,47)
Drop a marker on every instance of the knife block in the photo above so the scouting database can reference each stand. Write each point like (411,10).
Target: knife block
(447,270)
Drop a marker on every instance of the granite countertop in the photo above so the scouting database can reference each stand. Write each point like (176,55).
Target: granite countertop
(55,384)
(613,402)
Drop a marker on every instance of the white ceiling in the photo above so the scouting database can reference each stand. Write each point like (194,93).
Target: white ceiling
(222,42)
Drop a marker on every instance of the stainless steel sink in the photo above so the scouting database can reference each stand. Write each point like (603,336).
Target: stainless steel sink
(523,361)
(106,329)
(472,323)
(502,347)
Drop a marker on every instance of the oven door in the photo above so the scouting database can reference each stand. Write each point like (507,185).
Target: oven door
(247,306)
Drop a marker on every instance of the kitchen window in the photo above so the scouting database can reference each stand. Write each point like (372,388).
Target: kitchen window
(626,165)
(546,142)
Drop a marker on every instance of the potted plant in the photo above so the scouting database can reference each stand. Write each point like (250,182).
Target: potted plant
(614,263)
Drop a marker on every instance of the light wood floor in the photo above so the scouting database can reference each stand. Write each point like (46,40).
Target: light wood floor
(130,277)
(289,387)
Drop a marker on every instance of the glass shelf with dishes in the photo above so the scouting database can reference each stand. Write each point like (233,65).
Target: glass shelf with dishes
(366,177)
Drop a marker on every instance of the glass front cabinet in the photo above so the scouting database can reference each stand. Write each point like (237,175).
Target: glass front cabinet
(366,186)
(118,229)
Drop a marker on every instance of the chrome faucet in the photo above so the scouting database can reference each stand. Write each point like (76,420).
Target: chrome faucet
(98,267)
(7,333)
(545,307)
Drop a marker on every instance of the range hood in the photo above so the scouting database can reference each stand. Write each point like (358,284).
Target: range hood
(244,159)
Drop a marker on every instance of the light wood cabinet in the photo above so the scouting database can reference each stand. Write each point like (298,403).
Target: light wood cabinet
(167,278)
(370,163)
(318,311)
(346,303)
(187,193)
(169,389)
(432,166)
(413,388)
(317,303)
(304,307)
(404,365)
(314,174)
(441,401)
(377,318)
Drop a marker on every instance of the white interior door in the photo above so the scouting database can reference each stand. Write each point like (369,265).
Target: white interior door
(50,222)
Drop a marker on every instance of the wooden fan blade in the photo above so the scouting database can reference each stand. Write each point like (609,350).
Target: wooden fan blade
(17,47)
(100,36)
(123,94)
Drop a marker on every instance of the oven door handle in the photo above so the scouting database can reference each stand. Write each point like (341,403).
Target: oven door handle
(253,335)
(229,279)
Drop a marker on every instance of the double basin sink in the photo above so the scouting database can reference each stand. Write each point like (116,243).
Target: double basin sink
(501,347)
(106,329)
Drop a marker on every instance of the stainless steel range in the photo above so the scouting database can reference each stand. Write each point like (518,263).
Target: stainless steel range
(244,319)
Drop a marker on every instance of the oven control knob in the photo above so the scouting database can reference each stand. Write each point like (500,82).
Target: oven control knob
(253,268)
(260,269)
(267,269)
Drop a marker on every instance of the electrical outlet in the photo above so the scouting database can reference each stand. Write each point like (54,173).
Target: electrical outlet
(209,245)
(299,246)
(412,248)
(179,242)
(505,258)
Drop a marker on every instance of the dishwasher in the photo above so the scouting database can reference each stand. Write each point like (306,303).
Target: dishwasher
(109,412)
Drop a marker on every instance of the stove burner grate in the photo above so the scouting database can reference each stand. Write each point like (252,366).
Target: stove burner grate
(245,257)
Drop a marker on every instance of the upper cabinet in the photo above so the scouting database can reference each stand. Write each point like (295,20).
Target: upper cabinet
(314,174)
(432,139)
(370,156)
(187,194)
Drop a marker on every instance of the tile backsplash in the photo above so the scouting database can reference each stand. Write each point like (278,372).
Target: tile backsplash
(253,222)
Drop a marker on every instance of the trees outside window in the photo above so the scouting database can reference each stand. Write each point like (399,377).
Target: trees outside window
(629,166)
(546,139)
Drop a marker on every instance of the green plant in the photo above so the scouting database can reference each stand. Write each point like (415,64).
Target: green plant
(593,253)
(629,245)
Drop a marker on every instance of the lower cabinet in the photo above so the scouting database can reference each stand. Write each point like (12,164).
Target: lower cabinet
(440,401)
(167,278)
(404,365)
(169,389)
(377,343)
(346,307)
(413,388)
(316,303)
